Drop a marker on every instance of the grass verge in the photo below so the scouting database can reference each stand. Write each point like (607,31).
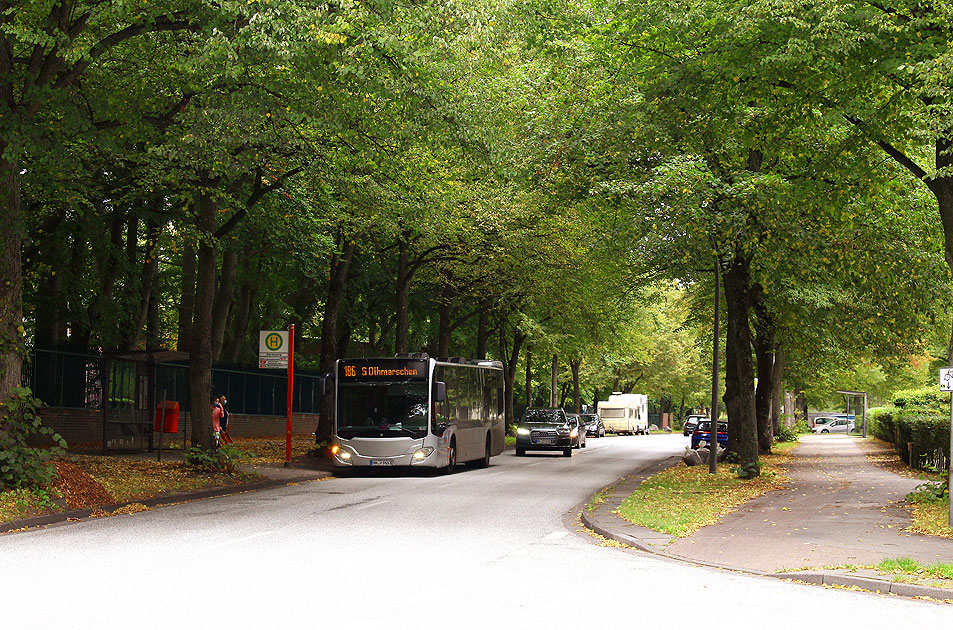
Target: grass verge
(681,500)
(932,517)
(25,503)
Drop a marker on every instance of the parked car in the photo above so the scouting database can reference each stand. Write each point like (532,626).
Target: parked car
(818,422)
(576,421)
(702,432)
(836,425)
(546,429)
(691,422)
(594,425)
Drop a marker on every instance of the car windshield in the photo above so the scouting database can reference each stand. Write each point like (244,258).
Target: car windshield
(539,416)
(706,426)
(589,418)
(382,409)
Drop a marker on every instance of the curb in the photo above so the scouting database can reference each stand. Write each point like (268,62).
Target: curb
(868,584)
(822,578)
(182,497)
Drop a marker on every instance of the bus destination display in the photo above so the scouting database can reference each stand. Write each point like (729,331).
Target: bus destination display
(363,370)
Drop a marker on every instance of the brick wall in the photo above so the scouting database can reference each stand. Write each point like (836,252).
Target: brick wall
(83,426)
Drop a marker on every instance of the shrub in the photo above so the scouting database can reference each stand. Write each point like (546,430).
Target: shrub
(786,434)
(881,423)
(221,459)
(927,399)
(22,465)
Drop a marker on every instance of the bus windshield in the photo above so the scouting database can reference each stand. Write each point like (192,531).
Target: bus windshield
(382,409)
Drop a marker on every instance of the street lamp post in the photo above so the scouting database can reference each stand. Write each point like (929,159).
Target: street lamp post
(713,415)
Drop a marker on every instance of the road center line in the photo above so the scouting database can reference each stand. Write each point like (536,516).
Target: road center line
(369,505)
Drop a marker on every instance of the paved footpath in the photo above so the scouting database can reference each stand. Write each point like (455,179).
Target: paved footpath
(838,509)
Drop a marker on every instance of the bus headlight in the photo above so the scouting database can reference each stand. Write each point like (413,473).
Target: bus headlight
(422,453)
(522,431)
(341,454)
(573,433)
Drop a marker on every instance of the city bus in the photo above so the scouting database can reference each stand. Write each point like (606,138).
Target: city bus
(417,411)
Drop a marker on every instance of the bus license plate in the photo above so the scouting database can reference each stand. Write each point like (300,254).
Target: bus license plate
(382,462)
(544,441)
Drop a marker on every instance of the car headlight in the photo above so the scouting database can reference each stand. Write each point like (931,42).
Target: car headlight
(573,433)
(522,431)
(422,453)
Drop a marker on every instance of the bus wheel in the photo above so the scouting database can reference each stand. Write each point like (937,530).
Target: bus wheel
(520,451)
(452,461)
(485,462)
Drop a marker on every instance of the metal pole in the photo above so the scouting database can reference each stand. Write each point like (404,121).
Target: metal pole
(291,375)
(949,478)
(713,415)
(848,415)
(865,414)
(161,423)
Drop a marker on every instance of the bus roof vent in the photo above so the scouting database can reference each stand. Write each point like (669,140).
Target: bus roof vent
(412,355)
(457,360)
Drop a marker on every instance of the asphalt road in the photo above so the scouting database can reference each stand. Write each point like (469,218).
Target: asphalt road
(499,547)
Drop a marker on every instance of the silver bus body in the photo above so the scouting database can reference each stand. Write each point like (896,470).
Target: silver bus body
(387,411)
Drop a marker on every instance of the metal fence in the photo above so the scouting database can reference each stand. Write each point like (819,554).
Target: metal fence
(75,380)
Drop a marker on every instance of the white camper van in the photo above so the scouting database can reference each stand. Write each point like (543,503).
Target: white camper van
(625,414)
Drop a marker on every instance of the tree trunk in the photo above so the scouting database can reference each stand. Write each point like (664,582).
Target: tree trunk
(223,300)
(147,300)
(246,302)
(187,300)
(483,330)
(739,372)
(510,359)
(337,288)
(776,379)
(765,331)
(529,377)
(402,290)
(443,329)
(200,350)
(49,315)
(574,368)
(11,289)
(554,381)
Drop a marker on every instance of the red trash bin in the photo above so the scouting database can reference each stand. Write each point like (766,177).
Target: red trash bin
(167,416)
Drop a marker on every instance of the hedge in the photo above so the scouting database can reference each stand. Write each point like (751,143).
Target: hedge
(927,430)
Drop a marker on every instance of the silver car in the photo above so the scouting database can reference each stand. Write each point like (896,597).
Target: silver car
(835,425)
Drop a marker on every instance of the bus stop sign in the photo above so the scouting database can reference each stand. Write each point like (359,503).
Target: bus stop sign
(273,349)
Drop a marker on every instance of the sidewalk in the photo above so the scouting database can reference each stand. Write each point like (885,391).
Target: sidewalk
(839,509)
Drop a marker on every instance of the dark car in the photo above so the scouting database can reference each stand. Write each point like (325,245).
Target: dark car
(703,433)
(691,422)
(594,426)
(546,429)
(580,426)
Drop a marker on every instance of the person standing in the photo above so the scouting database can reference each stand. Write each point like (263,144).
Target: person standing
(225,437)
(217,412)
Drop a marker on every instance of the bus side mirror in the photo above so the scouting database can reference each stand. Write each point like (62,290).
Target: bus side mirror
(439,391)
(325,382)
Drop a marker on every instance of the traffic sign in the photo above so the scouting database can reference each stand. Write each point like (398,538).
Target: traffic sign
(946,379)
(273,349)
